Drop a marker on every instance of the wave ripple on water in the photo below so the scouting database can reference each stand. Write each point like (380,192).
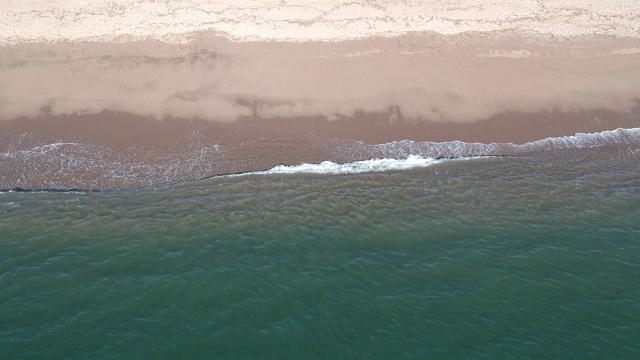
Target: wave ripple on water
(494,257)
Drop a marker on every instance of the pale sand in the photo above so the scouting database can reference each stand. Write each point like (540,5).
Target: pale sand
(307,20)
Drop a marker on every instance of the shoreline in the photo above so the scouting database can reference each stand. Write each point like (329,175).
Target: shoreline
(34,162)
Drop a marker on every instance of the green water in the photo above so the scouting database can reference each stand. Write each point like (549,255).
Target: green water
(494,258)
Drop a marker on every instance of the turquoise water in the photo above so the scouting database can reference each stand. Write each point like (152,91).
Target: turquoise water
(492,257)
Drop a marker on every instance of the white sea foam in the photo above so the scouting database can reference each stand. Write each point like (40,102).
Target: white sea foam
(356,167)
(586,140)
(624,138)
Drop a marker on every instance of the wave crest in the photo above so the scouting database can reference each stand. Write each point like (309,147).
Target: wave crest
(356,167)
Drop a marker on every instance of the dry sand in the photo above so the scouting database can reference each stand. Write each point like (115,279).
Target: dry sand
(304,20)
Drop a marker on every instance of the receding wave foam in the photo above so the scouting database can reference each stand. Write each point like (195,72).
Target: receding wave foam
(622,138)
(29,162)
(356,167)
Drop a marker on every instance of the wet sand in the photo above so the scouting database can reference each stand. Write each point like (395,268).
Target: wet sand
(122,130)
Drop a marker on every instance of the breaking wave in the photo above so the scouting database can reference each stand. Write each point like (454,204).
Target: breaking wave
(356,167)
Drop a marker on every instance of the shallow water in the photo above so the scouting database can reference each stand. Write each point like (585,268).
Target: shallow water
(492,257)
(29,161)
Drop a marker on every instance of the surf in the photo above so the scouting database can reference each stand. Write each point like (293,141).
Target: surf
(33,163)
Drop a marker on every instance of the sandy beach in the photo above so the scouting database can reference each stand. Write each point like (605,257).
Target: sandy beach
(550,76)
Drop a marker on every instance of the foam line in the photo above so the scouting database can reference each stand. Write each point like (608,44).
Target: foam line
(356,167)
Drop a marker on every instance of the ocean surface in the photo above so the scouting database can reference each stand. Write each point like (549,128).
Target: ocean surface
(535,255)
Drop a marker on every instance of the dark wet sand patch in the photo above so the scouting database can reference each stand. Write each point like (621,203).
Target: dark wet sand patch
(121,130)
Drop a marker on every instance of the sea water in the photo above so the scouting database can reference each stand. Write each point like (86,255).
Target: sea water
(491,257)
